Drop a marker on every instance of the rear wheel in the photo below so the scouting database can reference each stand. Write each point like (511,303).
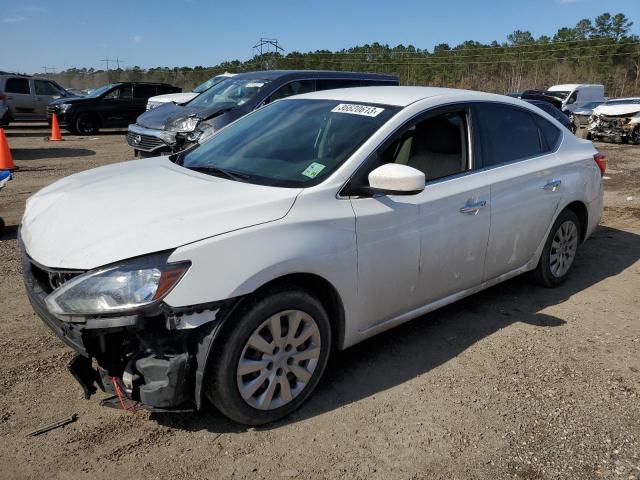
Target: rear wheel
(86,124)
(635,136)
(559,251)
(272,358)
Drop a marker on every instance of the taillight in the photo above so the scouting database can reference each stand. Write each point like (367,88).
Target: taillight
(601,160)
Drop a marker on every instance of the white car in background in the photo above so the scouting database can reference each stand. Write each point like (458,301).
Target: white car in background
(231,271)
(184,97)
(616,119)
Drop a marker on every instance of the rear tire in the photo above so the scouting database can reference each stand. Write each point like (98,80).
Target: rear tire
(559,251)
(635,136)
(282,373)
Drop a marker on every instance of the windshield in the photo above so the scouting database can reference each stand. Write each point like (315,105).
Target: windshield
(558,94)
(591,105)
(289,143)
(229,91)
(209,83)
(100,90)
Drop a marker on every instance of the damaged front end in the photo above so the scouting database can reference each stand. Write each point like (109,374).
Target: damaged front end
(151,357)
(623,128)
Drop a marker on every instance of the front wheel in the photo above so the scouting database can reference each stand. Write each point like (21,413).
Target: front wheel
(272,358)
(86,124)
(635,136)
(559,251)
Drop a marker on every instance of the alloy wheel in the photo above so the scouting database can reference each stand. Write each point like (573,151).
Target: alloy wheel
(563,248)
(278,360)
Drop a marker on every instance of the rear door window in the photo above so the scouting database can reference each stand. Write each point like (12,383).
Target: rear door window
(292,88)
(377,83)
(142,91)
(550,133)
(507,134)
(17,85)
(322,84)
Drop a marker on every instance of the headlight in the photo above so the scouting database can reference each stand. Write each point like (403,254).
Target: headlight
(188,124)
(117,288)
(151,105)
(63,107)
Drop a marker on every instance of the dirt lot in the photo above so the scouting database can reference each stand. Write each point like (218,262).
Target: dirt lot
(515,382)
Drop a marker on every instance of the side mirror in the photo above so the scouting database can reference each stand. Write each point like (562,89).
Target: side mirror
(396,179)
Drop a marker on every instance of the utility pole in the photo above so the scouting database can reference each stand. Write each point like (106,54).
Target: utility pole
(118,60)
(267,46)
(47,69)
(107,60)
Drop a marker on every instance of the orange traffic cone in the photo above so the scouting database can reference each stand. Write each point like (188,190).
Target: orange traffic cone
(6,160)
(55,130)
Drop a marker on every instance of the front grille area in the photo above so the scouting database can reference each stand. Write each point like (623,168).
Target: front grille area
(144,142)
(49,280)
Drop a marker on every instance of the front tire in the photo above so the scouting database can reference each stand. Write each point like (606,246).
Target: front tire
(559,251)
(86,124)
(272,358)
(635,136)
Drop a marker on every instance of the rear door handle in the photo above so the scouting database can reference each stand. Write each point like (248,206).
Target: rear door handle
(553,185)
(473,208)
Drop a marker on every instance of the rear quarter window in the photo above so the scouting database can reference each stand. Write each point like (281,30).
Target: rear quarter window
(17,85)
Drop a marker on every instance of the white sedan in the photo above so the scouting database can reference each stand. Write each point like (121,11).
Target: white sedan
(230,272)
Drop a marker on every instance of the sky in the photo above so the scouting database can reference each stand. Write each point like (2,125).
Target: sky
(72,33)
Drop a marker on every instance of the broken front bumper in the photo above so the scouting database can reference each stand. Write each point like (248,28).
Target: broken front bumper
(157,357)
(150,140)
(612,127)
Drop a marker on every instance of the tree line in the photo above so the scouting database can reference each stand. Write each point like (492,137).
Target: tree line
(599,51)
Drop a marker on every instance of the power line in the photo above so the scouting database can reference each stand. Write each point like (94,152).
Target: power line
(452,53)
(483,47)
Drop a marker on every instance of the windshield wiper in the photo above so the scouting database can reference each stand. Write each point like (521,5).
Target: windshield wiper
(220,172)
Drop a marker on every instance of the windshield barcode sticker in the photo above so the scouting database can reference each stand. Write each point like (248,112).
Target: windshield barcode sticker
(365,110)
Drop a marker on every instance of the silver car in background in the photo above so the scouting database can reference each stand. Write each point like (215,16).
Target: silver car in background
(27,97)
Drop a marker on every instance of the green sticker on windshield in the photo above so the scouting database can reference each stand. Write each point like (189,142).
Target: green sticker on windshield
(313,170)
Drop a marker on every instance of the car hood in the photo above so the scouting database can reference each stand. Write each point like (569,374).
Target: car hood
(622,109)
(161,117)
(74,99)
(120,211)
(178,98)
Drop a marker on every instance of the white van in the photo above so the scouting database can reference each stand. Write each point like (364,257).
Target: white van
(575,95)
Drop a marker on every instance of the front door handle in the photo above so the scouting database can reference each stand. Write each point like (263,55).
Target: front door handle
(473,208)
(553,185)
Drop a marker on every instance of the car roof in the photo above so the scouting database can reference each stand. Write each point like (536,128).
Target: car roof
(403,96)
(293,74)
(571,86)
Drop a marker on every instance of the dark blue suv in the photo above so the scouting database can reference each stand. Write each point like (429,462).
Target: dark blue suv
(172,128)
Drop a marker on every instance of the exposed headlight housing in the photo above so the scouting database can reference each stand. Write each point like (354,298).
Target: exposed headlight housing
(118,288)
(63,107)
(188,124)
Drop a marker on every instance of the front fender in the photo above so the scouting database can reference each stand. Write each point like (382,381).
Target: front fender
(320,242)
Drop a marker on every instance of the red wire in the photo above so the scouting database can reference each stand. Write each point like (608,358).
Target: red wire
(121,396)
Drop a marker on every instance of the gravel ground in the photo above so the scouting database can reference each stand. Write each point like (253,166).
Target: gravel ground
(515,382)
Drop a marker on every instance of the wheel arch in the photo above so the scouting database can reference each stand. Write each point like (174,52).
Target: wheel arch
(316,285)
(580,209)
(320,288)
